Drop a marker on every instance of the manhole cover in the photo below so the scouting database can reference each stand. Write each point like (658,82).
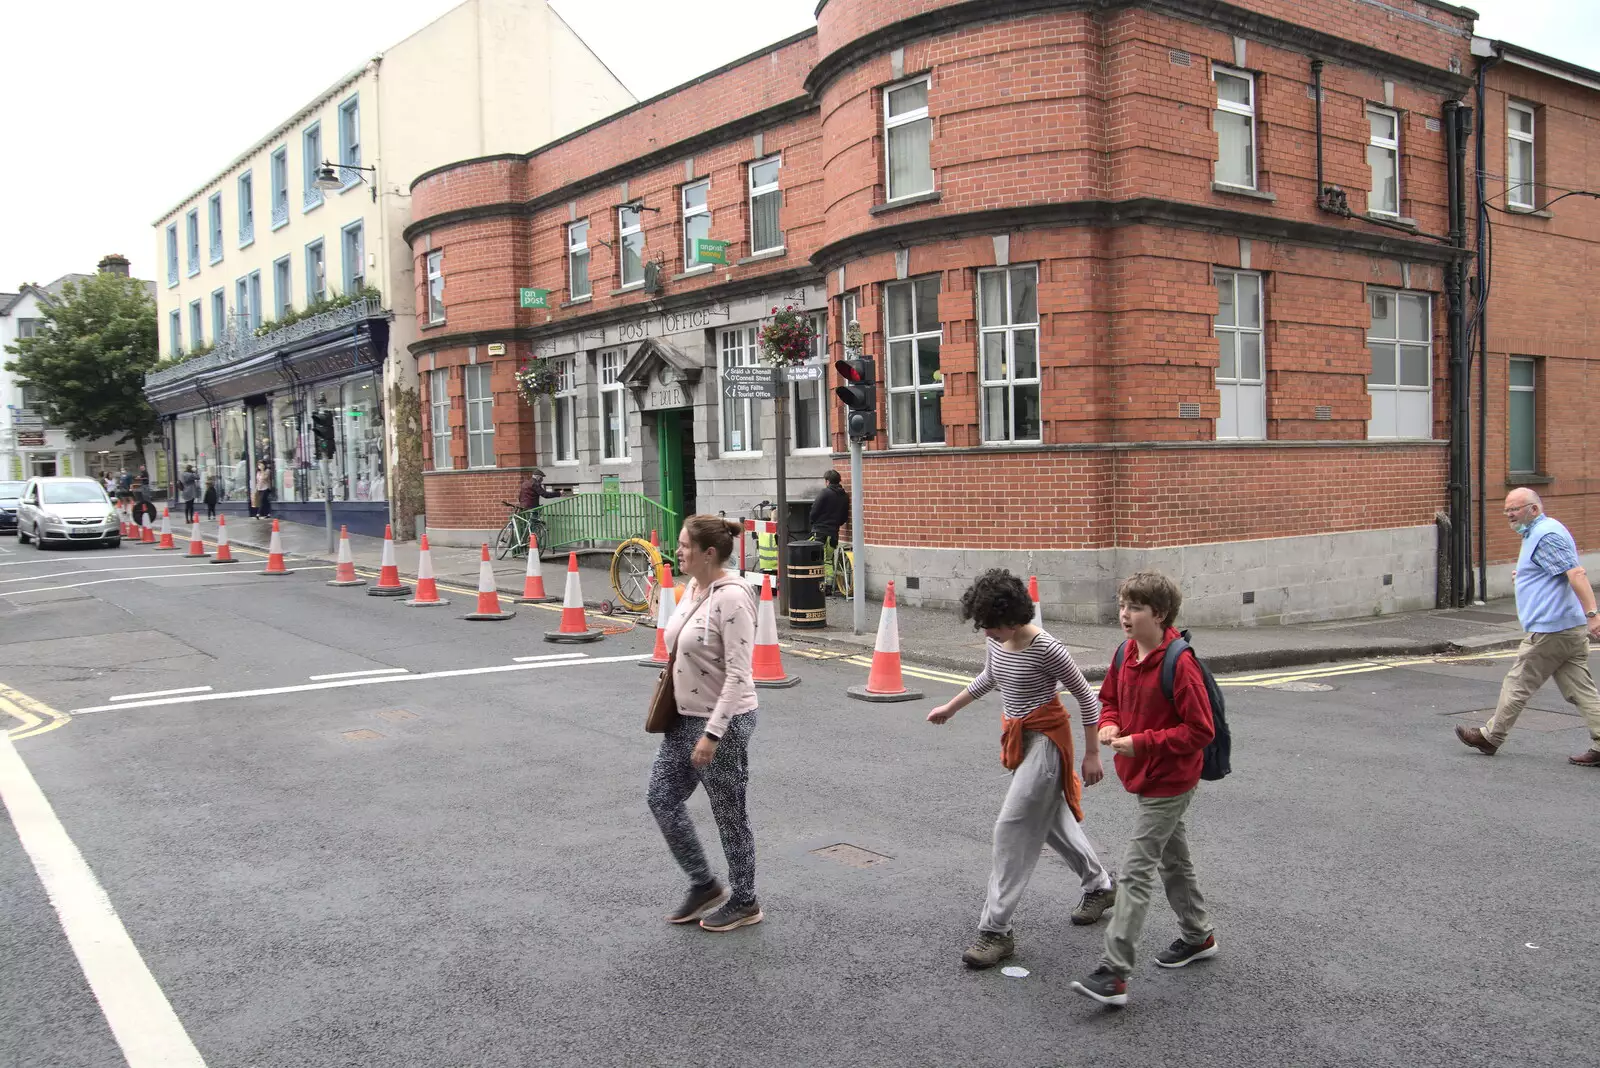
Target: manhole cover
(851,856)
(1301,686)
(362,735)
(397,715)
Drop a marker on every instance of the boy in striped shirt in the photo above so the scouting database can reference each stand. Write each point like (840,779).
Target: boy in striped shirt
(1042,803)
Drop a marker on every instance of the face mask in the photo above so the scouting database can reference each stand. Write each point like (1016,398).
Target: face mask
(1522,528)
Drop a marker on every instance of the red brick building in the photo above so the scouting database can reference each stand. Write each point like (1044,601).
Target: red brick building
(1139,295)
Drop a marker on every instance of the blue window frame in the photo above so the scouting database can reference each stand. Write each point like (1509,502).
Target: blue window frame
(316,272)
(191,224)
(350,141)
(197,326)
(354,250)
(247,209)
(311,159)
(214,225)
(219,316)
(282,287)
(174,333)
(280,186)
(247,302)
(172,254)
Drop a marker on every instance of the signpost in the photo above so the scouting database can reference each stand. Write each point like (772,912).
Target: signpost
(533,298)
(708,250)
(858,507)
(750,383)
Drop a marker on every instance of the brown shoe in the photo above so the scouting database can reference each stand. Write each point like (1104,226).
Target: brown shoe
(1588,759)
(1473,736)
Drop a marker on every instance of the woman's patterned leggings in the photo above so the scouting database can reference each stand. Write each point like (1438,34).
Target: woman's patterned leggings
(673,780)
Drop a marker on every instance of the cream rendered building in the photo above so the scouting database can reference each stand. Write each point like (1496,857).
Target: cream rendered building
(331,398)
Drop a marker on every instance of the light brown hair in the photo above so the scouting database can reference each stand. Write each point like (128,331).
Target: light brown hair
(1154,591)
(713,532)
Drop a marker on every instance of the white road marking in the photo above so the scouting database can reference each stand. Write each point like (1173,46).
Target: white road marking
(140,1017)
(101,570)
(188,573)
(355,674)
(341,683)
(157,693)
(555,656)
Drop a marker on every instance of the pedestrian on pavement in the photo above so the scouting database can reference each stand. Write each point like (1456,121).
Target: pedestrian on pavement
(211,498)
(1043,802)
(263,490)
(1160,747)
(143,504)
(189,490)
(532,490)
(1556,607)
(711,640)
(830,509)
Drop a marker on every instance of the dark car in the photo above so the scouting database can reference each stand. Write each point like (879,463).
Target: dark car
(10,492)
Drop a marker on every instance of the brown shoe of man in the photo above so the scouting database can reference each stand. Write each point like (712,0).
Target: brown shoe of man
(1473,736)
(1589,759)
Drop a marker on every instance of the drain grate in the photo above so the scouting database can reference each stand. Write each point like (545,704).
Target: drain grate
(362,735)
(851,856)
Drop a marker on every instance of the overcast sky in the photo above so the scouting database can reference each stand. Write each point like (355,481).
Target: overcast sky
(118,109)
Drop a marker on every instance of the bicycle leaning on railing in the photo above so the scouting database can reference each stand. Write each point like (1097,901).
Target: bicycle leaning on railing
(513,537)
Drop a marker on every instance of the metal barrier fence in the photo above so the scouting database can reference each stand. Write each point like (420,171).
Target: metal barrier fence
(590,518)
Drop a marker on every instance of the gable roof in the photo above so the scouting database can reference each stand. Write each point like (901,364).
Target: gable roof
(8,301)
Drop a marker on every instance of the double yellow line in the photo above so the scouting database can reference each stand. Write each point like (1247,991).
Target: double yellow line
(34,717)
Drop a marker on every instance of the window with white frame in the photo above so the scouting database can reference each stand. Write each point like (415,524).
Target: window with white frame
(191,223)
(310,161)
(741,425)
(197,324)
(355,259)
(241,305)
(280,187)
(564,404)
(696,223)
(350,140)
(613,407)
(1234,121)
(219,315)
(214,225)
(29,328)
(435,270)
(1401,383)
(630,245)
(1522,415)
(316,272)
(439,418)
(916,383)
(174,333)
(1383,157)
(1521,191)
(1008,344)
(766,204)
(578,260)
(808,399)
(480,414)
(282,287)
(907,139)
(249,294)
(1241,363)
(247,209)
(172,254)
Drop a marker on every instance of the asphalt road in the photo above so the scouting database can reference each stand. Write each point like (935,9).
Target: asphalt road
(477,881)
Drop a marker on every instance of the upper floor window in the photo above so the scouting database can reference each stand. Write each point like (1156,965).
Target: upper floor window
(350,140)
(480,414)
(1235,123)
(578,260)
(214,225)
(1008,331)
(282,287)
(197,326)
(696,223)
(808,398)
(280,187)
(310,161)
(766,201)
(439,417)
(1520,133)
(613,407)
(247,209)
(219,316)
(172,254)
(630,239)
(435,269)
(1522,411)
(355,258)
(191,225)
(916,383)
(1241,377)
(28,328)
(907,139)
(1383,156)
(1401,383)
(741,427)
(247,301)
(174,333)
(565,404)
(316,272)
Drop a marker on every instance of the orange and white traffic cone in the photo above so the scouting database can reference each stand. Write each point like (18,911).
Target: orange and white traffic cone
(166,531)
(1033,593)
(427,595)
(224,550)
(884,683)
(766,663)
(147,533)
(122,522)
(389,584)
(666,605)
(488,593)
(533,581)
(344,571)
(197,547)
(275,554)
(574,624)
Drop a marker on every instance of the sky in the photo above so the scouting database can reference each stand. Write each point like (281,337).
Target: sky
(118,110)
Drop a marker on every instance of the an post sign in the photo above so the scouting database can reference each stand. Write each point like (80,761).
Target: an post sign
(707,250)
(533,298)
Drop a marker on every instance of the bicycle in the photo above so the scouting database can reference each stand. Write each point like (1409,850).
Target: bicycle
(838,566)
(513,537)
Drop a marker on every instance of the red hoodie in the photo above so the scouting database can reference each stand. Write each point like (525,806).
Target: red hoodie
(1168,736)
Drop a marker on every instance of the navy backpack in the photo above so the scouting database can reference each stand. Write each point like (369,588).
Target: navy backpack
(1217,752)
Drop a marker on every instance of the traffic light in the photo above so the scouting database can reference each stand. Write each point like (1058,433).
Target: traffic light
(860,395)
(322,430)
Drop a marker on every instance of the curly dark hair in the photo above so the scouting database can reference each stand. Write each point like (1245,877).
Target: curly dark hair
(997,599)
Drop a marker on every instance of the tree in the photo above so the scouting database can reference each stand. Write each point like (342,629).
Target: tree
(88,360)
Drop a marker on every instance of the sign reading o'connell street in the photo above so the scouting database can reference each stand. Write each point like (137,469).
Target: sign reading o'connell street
(707,317)
(750,373)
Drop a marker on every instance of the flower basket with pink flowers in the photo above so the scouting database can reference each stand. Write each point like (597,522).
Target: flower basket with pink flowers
(788,338)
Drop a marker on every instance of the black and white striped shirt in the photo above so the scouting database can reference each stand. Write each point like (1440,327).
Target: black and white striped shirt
(1028,678)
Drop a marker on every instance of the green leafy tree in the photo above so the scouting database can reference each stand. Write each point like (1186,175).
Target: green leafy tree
(88,360)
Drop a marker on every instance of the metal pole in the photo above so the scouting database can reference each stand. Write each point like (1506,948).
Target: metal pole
(327,503)
(858,541)
(781,409)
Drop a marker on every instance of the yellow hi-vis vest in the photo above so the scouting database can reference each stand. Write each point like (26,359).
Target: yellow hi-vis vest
(767,552)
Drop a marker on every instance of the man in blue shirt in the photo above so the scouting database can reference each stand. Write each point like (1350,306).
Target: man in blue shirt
(1556,606)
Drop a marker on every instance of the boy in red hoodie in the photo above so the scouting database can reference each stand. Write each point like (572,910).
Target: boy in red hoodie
(1159,746)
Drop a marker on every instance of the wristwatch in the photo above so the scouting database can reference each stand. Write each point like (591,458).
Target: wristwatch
(1591,615)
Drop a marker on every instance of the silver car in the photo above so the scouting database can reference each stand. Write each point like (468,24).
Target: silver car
(62,510)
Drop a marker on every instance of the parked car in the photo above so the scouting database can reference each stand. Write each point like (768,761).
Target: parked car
(10,493)
(65,510)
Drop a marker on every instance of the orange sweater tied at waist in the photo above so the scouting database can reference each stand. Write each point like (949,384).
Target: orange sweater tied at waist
(1051,720)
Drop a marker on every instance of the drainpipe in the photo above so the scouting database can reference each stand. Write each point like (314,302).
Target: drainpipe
(1481,292)
(1458,125)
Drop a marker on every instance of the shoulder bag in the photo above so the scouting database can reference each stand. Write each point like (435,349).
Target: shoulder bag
(663,713)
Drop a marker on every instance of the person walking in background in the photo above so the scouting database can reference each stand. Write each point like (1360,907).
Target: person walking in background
(830,509)
(532,490)
(711,638)
(211,498)
(1042,805)
(189,490)
(1556,607)
(263,488)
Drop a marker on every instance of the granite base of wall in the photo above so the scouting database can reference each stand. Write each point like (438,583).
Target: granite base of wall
(462,538)
(1289,580)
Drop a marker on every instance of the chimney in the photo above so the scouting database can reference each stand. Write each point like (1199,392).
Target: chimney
(115,263)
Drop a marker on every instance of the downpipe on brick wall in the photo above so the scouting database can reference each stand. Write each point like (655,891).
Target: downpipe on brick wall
(1458,126)
(1481,328)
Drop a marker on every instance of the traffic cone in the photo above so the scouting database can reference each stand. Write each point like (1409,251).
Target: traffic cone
(166,532)
(224,550)
(884,683)
(766,664)
(488,593)
(574,625)
(533,581)
(666,605)
(275,554)
(427,595)
(1033,593)
(389,584)
(122,522)
(147,533)
(196,546)
(344,571)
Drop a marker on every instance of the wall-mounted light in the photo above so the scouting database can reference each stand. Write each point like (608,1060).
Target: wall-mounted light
(328,177)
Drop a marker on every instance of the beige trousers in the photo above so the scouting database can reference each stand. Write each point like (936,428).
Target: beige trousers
(1159,848)
(1562,653)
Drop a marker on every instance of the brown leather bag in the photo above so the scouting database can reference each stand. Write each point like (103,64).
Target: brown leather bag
(663,714)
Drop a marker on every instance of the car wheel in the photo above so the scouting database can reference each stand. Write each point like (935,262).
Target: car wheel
(112,543)
(38,539)
(22,539)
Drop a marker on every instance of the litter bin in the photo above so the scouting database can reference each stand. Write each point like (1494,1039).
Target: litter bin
(808,610)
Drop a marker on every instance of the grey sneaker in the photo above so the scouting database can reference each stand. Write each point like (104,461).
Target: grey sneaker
(990,949)
(1094,905)
(730,916)
(1182,953)
(699,901)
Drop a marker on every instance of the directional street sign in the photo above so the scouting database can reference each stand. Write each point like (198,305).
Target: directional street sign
(749,390)
(805,372)
(750,373)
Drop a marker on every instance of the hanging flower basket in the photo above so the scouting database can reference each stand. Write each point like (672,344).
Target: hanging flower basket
(535,379)
(788,338)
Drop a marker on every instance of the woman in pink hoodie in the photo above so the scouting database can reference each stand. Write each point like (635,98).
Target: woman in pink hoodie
(711,637)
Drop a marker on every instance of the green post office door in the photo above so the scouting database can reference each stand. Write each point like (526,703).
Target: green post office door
(675,456)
